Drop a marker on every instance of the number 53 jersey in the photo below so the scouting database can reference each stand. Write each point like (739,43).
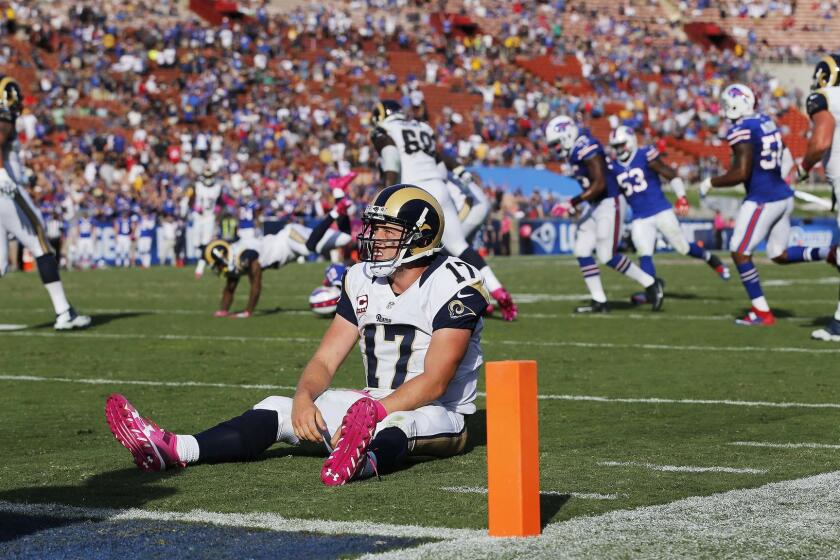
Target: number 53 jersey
(396,330)
(765,183)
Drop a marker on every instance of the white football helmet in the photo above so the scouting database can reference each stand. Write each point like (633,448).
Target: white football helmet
(623,140)
(738,101)
(560,134)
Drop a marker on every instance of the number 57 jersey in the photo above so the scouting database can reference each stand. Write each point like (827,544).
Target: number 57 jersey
(765,183)
(396,330)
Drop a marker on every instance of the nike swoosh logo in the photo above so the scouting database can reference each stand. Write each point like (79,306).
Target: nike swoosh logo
(460,295)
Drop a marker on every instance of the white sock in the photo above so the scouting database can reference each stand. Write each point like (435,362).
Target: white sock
(59,300)
(490,281)
(837,313)
(187,447)
(199,268)
(639,275)
(761,304)
(596,289)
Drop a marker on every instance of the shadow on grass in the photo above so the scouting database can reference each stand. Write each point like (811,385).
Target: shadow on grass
(550,505)
(125,488)
(96,320)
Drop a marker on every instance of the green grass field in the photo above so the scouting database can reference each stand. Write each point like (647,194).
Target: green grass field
(157,326)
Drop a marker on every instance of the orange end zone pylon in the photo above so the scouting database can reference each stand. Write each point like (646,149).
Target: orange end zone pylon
(513,461)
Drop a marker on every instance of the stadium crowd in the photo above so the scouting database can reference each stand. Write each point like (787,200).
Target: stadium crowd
(129,102)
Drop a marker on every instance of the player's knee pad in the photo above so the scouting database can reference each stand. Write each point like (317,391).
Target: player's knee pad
(240,438)
(470,256)
(48,268)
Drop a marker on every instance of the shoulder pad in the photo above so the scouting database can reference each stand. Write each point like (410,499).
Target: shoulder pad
(816,102)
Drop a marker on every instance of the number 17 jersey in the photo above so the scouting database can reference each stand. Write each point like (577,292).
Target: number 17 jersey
(395,330)
(765,183)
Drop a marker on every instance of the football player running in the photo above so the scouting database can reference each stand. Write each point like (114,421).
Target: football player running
(20,217)
(600,214)
(823,107)
(251,256)
(206,195)
(408,153)
(416,314)
(765,212)
(638,171)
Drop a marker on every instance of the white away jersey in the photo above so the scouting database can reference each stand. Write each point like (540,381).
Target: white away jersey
(276,249)
(396,330)
(415,141)
(206,197)
(14,167)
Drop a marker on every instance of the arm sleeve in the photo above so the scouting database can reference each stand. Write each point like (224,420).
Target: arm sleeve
(462,311)
(345,306)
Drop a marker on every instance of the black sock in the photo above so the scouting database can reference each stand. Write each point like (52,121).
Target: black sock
(47,268)
(239,439)
(390,446)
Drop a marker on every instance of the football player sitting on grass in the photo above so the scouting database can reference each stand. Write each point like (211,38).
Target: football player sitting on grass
(418,316)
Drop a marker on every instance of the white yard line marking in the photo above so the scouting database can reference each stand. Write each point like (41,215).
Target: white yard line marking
(548,397)
(791,518)
(681,469)
(11,327)
(580,495)
(773,445)
(507,342)
(269,521)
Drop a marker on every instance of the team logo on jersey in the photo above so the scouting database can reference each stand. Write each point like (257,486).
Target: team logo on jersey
(457,309)
(361,304)
(382,319)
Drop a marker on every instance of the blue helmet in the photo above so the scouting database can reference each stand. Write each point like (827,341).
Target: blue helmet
(334,275)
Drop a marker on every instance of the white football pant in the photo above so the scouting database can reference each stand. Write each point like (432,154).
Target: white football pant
(599,229)
(644,233)
(759,221)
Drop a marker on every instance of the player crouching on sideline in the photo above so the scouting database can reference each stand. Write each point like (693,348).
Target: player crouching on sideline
(765,213)
(251,256)
(599,211)
(823,107)
(637,172)
(417,316)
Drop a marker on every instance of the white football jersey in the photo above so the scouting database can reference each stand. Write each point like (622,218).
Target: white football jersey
(276,249)
(206,197)
(14,167)
(415,141)
(395,331)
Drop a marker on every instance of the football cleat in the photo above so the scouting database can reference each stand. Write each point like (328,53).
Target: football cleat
(831,333)
(349,456)
(757,318)
(593,307)
(721,269)
(506,305)
(639,298)
(656,294)
(70,320)
(153,449)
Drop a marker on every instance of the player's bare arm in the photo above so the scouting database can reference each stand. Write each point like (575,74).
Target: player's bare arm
(662,169)
(388,154)
(255,279)
(227,293)
(596,167)
(317,376)
(820,139)
(446,350)
(739,172)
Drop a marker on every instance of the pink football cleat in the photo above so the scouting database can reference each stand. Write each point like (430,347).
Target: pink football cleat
(350,453)
(506,305)
(153,449)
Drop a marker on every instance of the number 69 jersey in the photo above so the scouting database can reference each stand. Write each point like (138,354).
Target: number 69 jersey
(765,183)
(396,330)
(415,141)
